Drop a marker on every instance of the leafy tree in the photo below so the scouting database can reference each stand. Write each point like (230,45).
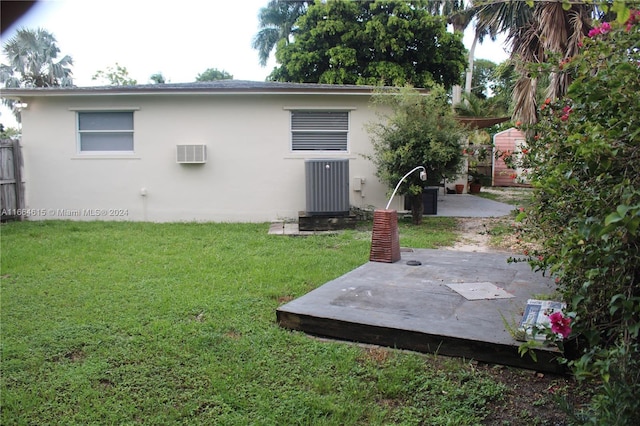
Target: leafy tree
(371,42)
(8,132)
(212,74)
(33,61)
(421,131)
(277,23)
(483,74)
(584,156)
(501,85)
(157,78)
(115,76)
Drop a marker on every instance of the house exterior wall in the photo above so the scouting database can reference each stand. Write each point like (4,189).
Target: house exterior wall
(508,140)
(251,174)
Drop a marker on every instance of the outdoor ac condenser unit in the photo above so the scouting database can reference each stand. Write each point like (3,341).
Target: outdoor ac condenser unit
(191,154)
(327,187)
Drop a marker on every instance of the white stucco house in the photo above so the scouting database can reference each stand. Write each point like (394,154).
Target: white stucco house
(216,151)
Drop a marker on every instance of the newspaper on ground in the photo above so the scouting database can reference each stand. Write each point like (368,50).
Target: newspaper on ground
(536,316)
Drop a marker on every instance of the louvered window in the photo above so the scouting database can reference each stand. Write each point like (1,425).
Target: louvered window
(319,130)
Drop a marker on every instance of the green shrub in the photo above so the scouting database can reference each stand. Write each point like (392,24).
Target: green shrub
(583,157)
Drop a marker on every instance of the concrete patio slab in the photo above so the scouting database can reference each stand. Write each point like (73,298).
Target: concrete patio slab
(414,307)
(465,205)
(291,229)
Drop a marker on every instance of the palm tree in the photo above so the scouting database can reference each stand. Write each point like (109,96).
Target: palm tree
(534,33)
(459,15)
(277,22)
(472,106)
(33,56)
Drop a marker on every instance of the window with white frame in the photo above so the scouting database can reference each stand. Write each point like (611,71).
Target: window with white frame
(319,130)
(105,131)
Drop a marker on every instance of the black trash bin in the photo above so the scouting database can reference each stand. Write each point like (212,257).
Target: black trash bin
(430,200)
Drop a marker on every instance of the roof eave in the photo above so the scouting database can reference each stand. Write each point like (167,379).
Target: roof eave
(16,93)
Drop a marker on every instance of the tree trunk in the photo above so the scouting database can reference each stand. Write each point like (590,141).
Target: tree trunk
(456,94)
(472,52)
(416,209)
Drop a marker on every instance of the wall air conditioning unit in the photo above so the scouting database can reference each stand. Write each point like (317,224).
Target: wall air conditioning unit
(191,154)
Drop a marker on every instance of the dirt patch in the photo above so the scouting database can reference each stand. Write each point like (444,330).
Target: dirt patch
(486,235)
(475,235)
(532,398)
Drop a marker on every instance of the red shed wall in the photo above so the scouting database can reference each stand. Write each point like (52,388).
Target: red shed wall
(507,140)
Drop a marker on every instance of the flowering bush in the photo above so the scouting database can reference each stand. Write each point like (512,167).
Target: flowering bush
(584,161)
(520,159)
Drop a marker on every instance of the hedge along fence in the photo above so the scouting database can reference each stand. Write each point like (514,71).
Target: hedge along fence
(11,185)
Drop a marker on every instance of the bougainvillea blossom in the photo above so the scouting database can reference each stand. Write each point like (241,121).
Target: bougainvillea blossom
(604,28)
(560,324)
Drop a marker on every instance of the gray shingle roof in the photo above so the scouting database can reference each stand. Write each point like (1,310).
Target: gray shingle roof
(219,86)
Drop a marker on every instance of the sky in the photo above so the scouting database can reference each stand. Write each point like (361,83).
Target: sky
(179,39)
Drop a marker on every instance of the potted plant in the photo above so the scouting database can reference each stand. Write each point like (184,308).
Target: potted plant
(478,153)
(476,180)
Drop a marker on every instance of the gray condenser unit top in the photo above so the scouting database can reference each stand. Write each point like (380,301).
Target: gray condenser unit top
(327,187)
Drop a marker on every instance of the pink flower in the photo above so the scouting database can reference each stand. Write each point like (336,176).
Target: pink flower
(564,117)
(560,324)
(602,29)
(634,18)
(593,32)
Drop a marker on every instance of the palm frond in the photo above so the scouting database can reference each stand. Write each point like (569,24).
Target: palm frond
(524,97)
(277,22)
(473,106)
(33,54)
(264,42)
(579,24)
(550,19)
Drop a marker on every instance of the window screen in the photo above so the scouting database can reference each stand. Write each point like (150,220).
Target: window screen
(106,131)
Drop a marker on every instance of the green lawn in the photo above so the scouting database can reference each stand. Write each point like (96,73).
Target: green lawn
(139,323)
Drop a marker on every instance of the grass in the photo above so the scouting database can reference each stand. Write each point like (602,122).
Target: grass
(139,323)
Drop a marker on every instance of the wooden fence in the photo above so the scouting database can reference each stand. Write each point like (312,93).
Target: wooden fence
(11,185)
